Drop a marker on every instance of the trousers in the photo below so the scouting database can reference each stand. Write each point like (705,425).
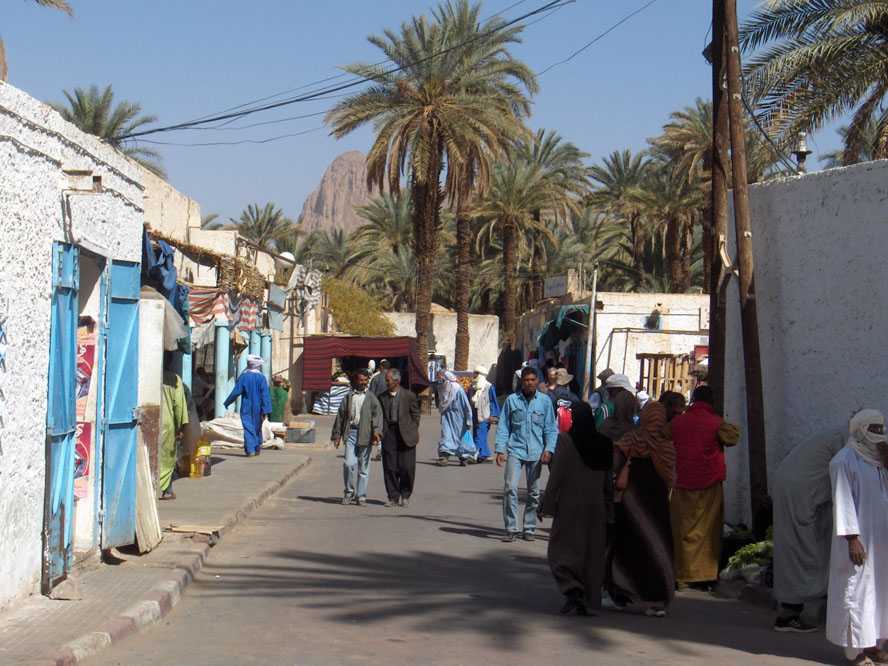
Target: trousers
(356,466)
(532,470)
(398,464)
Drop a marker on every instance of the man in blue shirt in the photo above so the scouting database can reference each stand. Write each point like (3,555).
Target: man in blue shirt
(525,440)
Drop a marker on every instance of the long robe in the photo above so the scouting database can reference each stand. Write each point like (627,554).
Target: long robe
(575,499)
(456,422)
(803,521)
(857,612)
(174,415)
(482,428)
(252,389)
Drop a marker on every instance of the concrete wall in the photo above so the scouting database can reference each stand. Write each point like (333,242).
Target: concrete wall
(167,210)
(36,147)
(621,333)
(483,335)
(820,272)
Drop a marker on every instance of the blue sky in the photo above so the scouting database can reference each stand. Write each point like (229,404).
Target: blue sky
(185,58)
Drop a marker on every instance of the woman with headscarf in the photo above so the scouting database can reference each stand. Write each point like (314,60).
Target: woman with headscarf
(485,410)
(625,407)
(456,423)
(640,560)
(252,389)
(575,498)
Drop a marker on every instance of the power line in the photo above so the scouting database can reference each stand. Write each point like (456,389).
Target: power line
(234,143)
(343,86)
(777,151)
(327,79)
(598,37)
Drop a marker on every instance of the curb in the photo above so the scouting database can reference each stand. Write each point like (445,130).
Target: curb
(163,597)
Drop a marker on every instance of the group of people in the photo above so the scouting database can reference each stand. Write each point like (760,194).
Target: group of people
(378,411)
(635,493)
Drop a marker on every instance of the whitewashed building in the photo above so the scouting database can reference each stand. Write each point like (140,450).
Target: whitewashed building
(71,216)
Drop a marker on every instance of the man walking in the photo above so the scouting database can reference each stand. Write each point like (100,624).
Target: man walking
(400,435)
(525,440)
(857,610)
(359,422)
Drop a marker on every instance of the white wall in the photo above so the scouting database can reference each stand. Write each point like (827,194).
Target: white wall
(483,335)
(820,271)
(617,347)
(35,146)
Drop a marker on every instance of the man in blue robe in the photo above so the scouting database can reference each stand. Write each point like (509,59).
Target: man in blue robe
(456,423)
(485,410)
(252,389)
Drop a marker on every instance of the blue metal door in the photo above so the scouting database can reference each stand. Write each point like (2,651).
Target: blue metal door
(121,397)
(61,416)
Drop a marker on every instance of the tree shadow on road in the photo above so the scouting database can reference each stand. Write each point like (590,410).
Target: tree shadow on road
(506,594)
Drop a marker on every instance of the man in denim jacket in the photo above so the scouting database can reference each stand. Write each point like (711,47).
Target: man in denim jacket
(525,440)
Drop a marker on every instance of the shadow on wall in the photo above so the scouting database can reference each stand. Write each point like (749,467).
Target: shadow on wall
(507,597)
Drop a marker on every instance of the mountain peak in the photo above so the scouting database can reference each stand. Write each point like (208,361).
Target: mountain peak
(342,188)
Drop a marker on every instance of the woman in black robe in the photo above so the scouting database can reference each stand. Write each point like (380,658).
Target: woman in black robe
(575,498)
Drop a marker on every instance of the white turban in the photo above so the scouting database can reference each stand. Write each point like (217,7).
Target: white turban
(868,445)
(371,365)
(254,363)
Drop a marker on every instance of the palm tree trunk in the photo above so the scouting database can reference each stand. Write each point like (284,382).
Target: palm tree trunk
(510,293)
(676,243)
(705,222)
(463,286)
(426,199)
(637,243)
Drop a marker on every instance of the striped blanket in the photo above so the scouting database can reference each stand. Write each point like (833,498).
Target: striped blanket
(328,403)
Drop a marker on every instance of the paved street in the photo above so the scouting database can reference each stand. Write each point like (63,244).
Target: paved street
(307,581)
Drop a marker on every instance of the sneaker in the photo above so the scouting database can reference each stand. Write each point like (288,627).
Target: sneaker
(348,499)
(529,536)
(655,611)
(405,502)
(362,501)
(389,503)
(509,537)
(795,625)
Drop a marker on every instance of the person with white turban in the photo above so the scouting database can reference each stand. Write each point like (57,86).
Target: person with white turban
(857,610)
(485,410)
(252,389)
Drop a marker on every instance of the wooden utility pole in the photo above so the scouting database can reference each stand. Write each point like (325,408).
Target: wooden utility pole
(718,207)
(755,410)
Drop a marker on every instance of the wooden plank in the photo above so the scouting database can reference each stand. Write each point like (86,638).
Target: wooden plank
(148,534)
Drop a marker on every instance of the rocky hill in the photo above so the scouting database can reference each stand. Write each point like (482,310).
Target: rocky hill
(343,186)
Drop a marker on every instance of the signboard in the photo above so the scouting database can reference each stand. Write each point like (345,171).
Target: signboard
(555,286)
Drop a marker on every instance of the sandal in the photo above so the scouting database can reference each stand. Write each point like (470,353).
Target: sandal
(862,659)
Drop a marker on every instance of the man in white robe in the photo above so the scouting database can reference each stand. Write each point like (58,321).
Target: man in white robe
(802,531)
(857,613)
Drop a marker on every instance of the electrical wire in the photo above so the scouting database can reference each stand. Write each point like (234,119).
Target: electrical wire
(598,37)
(344,86)
(234,143)
(788,163)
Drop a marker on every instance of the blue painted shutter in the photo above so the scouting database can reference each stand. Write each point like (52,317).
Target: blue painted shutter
(121,397)
(61,414)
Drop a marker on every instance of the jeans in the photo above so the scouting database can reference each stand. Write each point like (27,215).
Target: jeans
(356,467)
(532,469)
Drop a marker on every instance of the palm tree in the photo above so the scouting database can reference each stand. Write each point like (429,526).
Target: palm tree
(517,190)
(617,176)
(562,163)
(389,226)
(61,5)
(868,153)
(328,250)
(209,221)
(672,203)
(447,101)
(264,226)
(824,59)
(94,112)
